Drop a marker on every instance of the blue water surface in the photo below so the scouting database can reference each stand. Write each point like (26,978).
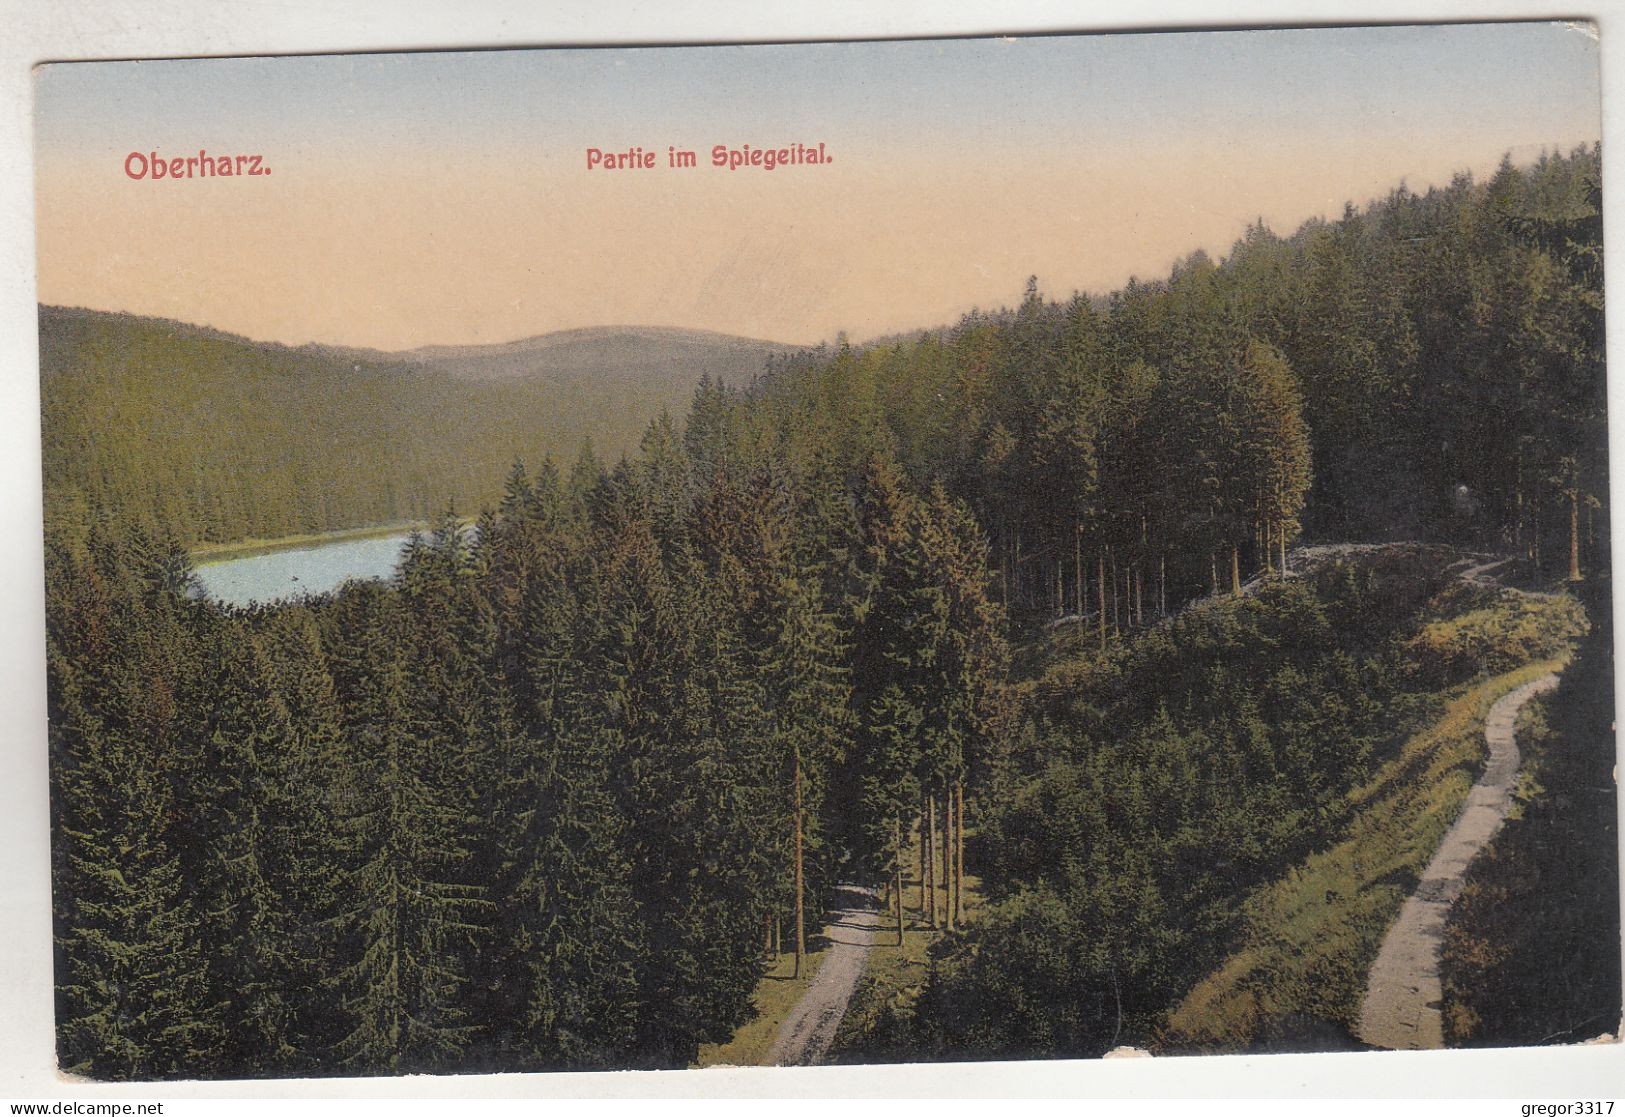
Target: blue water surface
(284,575)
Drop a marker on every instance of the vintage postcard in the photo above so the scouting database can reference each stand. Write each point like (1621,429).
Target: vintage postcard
(863,552)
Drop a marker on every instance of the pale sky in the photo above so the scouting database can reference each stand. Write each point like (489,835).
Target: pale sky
(444,198)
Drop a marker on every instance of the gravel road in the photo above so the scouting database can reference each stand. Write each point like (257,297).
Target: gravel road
(810,1028)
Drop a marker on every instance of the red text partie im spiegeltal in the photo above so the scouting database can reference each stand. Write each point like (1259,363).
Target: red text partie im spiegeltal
(723,157)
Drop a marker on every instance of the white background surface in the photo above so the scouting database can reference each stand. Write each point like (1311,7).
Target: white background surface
(33,31)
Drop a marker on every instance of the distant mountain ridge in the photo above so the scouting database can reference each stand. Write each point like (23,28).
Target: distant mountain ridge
(218,437)
(612,351)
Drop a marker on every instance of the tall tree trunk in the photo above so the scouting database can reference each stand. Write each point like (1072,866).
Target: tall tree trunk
(947,855)
(1100,589)
(897,874)
(1117,614)
(1162,585)
(1574,534)
(1015,567)
(801,909)
(1280,535)
(767,936)
(959,850)
(1139,573)
(1235,569)
(946,862)
(1517,501)
(929,853)
(1077,563)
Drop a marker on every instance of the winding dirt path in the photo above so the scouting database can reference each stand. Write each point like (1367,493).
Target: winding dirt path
(808,1031)
(1401,1008)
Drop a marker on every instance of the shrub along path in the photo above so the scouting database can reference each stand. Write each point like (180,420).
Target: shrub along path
(1401,1007)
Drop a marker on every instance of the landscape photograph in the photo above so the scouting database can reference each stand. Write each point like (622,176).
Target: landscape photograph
(922,551)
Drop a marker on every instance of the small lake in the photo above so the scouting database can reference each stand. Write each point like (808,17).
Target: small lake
(283,575)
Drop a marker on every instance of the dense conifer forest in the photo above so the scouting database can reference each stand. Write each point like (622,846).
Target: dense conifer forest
(546,799)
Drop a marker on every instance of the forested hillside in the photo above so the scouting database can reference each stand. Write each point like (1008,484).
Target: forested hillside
(1429,366)
(1147,794)
(547,798)
(212,438)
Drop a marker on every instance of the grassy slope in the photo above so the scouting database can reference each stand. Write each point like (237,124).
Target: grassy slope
(1297,975)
